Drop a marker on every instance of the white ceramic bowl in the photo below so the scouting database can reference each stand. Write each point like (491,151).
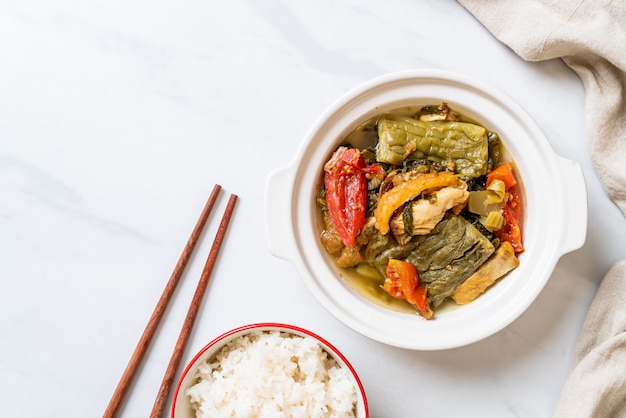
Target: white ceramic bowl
(555,214)
(181,406)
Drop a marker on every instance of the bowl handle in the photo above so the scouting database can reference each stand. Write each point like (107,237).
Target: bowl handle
(575,208)
(278,216)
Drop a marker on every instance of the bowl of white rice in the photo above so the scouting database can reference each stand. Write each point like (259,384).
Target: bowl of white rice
(269,370)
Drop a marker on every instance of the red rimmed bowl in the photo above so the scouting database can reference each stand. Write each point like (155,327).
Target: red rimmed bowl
(344,377)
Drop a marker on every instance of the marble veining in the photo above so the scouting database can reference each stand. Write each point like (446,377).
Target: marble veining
(116,120)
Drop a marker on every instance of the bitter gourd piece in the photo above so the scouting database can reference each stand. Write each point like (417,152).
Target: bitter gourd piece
(463,144)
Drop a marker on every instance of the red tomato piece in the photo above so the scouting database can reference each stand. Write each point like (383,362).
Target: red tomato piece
(403,282)
(512,212)
(503,172)
(346,193)
(511,231)
(376,170)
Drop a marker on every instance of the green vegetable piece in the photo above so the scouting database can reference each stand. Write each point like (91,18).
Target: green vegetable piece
(464,144)
(447,256)
(499,191)
(494,220)
(376,245)
(481,203)
(407,219)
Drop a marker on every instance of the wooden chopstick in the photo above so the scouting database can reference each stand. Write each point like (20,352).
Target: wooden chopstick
(168,379)
(159,310)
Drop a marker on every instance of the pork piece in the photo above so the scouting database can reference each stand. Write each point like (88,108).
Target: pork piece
(350,257)
(332,242)
(427,213)
(330,238)
(499,264)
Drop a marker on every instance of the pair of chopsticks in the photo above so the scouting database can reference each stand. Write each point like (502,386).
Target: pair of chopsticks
(159,310)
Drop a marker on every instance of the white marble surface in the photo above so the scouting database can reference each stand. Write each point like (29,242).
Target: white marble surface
(118,117)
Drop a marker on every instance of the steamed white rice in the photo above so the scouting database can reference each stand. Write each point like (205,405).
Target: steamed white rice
(272,374)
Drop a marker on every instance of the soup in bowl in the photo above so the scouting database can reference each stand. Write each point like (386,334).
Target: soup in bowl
(410,142)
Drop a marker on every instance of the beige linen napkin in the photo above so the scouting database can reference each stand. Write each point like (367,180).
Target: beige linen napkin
(590,37)
(596,385)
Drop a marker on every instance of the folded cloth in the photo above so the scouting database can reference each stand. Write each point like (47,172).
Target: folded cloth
(590,37)
(596,385)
